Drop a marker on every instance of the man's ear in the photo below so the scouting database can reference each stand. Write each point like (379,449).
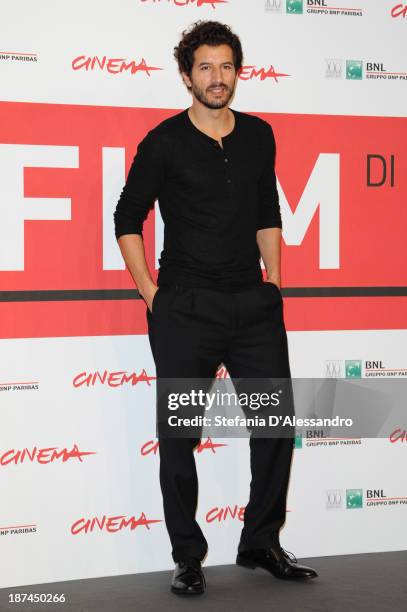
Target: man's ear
(186,79)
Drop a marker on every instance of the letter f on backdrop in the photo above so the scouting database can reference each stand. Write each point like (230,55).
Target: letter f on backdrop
(15,208)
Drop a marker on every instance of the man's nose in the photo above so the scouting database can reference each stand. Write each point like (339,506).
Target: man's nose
(217,74)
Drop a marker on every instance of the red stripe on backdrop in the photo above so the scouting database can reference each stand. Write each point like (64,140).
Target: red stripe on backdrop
(67,254)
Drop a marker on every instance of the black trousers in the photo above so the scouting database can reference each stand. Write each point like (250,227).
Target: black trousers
(191,332)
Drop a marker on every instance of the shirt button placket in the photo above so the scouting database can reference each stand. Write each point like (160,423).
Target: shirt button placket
(228,179)
(226,160)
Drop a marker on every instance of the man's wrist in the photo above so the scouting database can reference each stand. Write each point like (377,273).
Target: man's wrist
(274,278)
(145,289)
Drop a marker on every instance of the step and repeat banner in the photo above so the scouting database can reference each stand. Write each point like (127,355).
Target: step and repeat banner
(81,86)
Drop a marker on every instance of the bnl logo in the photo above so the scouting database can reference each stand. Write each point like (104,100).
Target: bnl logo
(354,498)
(354,70)
(353,368)
(294,7)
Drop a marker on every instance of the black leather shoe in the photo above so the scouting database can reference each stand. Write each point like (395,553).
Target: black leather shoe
(188,578)
(277,561)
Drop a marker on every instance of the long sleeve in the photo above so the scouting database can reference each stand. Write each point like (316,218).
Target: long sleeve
(142,187)
(269,206)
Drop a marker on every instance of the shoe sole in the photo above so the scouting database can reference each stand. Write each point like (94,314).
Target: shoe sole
(186,592)
(252,565)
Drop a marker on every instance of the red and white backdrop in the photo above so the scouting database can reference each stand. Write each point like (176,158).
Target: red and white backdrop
(81,85)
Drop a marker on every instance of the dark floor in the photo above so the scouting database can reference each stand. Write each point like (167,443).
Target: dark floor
(375,582)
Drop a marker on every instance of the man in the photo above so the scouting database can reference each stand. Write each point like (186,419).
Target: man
(212,170)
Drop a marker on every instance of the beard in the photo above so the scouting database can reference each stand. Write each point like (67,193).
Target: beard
(203,95)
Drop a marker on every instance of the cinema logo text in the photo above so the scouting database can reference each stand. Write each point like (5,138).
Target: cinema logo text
(222,514)
(222,372)
(111,524)
(42,455)
(247,73)
(196,3)
(111,379)
(398,435)
(152,447)
(113,65)
(399,10)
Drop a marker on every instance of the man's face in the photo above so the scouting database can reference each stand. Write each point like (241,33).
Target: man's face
(213,76)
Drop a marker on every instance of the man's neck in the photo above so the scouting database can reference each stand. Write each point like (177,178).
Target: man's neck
(215,122)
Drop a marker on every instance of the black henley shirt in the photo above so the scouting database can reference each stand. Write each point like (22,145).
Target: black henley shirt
(212,200)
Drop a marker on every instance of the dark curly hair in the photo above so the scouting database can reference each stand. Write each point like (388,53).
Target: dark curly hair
(210,33)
